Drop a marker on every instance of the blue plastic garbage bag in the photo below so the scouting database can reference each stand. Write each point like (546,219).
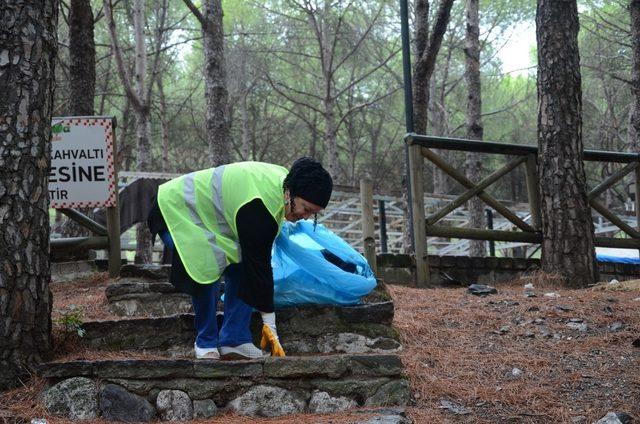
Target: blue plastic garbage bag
(317,267)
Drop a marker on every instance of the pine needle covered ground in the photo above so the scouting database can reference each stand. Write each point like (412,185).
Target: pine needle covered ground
(500,358)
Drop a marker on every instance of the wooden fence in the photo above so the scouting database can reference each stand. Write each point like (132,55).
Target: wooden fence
(420,148)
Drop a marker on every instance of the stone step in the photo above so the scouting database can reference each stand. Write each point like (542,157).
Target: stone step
(136,296)
(68,271)
(144,290)
(305,329)
(263,387)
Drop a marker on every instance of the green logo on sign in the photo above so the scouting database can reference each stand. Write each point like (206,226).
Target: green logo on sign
(59,128)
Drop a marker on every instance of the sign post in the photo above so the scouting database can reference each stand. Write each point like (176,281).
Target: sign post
(83,172)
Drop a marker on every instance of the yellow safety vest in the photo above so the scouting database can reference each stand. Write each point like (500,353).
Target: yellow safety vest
(200,210)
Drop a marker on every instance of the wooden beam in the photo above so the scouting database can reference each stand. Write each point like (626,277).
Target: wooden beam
(533,194)
(487,198)
(481,234)
(602,210)
(449,143)
(418,222)
(612,179)
(79,243)
(460,200)
(85,221)
(620,243)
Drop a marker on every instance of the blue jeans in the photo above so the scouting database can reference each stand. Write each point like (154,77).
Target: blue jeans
(237,314)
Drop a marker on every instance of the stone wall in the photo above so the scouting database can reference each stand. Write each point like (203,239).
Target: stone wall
(466,270)
(139,390)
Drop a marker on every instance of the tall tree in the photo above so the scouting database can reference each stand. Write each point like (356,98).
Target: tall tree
(427,49)
(473,164)
(82,52)
(567,226)
(216,95)
(27,56)
(139,95)
(341,32)
(82,80)
(634,122)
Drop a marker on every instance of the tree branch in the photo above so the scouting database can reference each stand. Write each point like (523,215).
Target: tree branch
(196,12)
(123,72)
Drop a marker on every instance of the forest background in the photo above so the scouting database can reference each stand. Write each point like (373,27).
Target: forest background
(285,60)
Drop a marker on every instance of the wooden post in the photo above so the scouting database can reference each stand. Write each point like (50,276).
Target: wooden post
(382,223)
(418,218)
(637,174)
(637,199)
(368,227)
(532,191)
(113,220)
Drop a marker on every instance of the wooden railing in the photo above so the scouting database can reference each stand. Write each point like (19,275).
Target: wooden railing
(423,226)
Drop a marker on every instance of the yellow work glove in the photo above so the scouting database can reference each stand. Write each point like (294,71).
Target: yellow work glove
(270,335)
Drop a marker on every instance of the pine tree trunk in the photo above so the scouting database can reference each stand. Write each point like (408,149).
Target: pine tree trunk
(82,50)
(143,135)
(216,95)
(421,74)
(567,226)
(143,123)
(634,127)
(426,52)
(473,164)
(82,82)
(27,58)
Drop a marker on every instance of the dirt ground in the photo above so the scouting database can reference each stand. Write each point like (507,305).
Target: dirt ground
(500,358)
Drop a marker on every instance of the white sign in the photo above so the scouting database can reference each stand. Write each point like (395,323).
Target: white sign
(82,173)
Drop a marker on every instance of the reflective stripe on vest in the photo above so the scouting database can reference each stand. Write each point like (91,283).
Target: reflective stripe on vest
(190,201)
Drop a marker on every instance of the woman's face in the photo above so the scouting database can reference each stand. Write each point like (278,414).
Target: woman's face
(301,209)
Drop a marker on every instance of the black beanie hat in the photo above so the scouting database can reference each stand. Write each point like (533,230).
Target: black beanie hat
(309,180)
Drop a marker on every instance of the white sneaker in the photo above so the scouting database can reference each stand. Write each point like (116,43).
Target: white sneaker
(206,352)
(243,351)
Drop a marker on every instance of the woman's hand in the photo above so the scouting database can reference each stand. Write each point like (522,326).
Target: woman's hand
(270,334)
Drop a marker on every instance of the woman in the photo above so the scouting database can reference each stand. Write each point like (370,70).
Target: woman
(223,221)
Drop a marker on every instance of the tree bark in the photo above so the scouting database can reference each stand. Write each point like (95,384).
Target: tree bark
(473,163)
(28,44)
(82,50)
(164,122)
(567,226)
(634,121)
(216,94)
